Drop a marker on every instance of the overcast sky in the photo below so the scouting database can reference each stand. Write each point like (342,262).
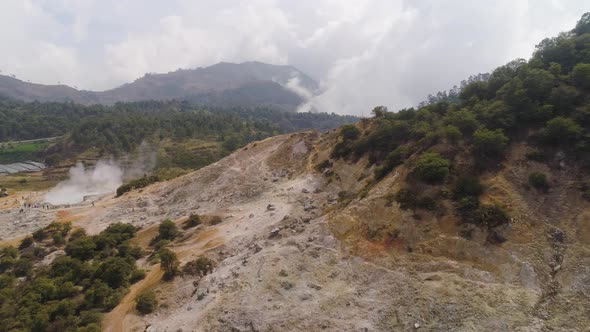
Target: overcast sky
(363,53)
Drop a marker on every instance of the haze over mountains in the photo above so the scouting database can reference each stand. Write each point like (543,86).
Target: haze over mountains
(223,84)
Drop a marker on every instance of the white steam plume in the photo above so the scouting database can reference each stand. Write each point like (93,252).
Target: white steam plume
(104,178)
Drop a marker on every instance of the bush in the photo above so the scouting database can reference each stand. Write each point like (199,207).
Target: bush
(137,184)
(393,159)
(198,267)
(58,239)
(192,221)
(169,263)
(581,75)
(467,186)
(146,302)
(490,216)
(406,199)
(489,143)
(536,155)
(452,134)
(538,181)
(215,220)
(137,275)
(26,242)
(167,230)
(432,168)
(81,248)
(426,203)
(350,132)
(561,130)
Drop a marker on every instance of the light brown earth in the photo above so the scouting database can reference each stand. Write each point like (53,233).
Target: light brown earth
(310,263)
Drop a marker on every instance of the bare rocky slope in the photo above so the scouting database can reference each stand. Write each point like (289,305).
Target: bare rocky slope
(295,253)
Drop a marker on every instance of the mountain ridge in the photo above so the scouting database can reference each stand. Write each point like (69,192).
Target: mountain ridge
(226,84)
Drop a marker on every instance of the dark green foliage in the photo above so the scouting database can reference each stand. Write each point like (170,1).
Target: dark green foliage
(349,132)
(432,168)
(167,230)
(81,248)
(406,198)
(466,186)
(192,221)
(490,216)
(69,294)
(169,263)
(146,302)
(26,242)
(561,131)
(536,155)
(137,184)
(581,76)
(198,267)
(393,159)
(136,276)
(489,144)
(538,181)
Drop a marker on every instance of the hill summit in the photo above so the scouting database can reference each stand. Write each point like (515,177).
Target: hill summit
(223,84)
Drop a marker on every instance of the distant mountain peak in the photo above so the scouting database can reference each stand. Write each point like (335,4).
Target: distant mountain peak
(232,84)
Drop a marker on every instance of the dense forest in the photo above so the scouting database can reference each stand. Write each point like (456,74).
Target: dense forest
(121,127)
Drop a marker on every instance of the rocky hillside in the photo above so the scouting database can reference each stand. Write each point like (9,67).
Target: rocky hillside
(301,244)
(223,84)
(471,213)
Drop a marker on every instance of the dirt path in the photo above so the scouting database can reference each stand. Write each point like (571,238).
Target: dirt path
(115,320)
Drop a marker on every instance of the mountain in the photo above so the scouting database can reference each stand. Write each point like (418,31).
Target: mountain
(469,213)
(223,84)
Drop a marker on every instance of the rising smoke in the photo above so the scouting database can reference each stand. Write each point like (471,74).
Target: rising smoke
(104,178)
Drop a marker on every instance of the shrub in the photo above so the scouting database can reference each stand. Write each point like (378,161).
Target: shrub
(137,184)
(115,271)
(452,134)
(26,242)
(489,143)
(146,302)
(393,159)
(467,186)
(198,267)
(137,275)
(491,216)
(77,233)
(432,168)
(167,230)
(58,239)
(215,220)
(581,75)
(350,132)
(81,248)
(561,130)
(406,199)
(426,203)
(536,155)
(192,221)
(169,263)
(538,181)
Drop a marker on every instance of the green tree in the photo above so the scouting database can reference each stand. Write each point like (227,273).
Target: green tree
(432,168)
(581,75)
(167,230)
(169,263)
(489,143)
(146,302)
(561,130)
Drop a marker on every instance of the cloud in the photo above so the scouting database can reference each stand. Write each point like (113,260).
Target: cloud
(363,53)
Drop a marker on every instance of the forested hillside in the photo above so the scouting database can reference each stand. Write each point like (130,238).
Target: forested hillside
(120,128)
(539,109)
